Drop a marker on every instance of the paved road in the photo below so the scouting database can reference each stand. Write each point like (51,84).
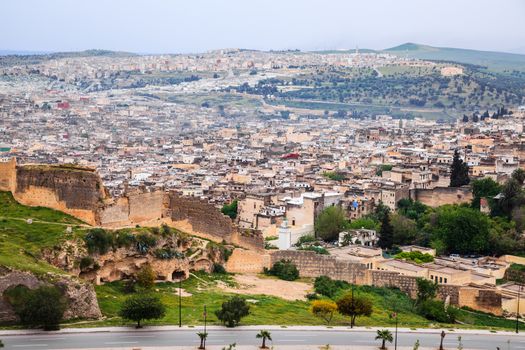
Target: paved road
(187,337)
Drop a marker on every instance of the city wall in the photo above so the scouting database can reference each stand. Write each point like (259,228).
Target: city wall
(442,195)
(311,264)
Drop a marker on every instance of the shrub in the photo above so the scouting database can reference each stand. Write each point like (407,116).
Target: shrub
(324,309)
(328,287)
(165,230)
(142,307)
(124,239)
(167,254)
(145,242)
(316,249)
(305,239)
(434,310)
(40,307)
(87,263)
(417,257)
(285,270)
(146,277)
(98,241)
(232,311)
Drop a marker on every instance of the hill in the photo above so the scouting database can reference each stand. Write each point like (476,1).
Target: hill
(496,61)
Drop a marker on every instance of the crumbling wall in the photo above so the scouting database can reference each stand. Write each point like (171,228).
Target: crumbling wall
(146,206)
(75,191)
(247,261)
(486,300)
(200,218)
(442,195)
(7,175)
(311,264)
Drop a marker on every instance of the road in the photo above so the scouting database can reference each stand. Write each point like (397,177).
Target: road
(188,337)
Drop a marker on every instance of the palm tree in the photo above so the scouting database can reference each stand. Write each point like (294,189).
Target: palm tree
(264,335)
(386,336)
(202,337)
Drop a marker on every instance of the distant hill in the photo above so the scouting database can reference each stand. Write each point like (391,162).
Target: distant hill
(496,61)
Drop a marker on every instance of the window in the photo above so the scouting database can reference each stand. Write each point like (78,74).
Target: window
(445,280)
(293,222)
(440,279)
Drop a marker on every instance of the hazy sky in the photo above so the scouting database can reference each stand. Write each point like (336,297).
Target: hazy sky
(160,26)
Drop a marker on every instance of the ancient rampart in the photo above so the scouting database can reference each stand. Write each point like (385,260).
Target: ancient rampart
(442,195)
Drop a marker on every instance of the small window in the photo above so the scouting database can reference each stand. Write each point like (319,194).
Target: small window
(445,280)
(440,279)
(293,222)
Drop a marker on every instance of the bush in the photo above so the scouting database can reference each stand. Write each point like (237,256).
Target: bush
(316,249)
(232,311)
(145,242)
(285,270)
(417,257)
(98,241)
(324,309)
(124,239)
(87,263)
(146,277)
(434,310)
(142,307)
(167,254)
(305,239)
(40,307)
(328,287)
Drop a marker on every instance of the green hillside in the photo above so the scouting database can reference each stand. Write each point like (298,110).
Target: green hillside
(21,243)
(496,61)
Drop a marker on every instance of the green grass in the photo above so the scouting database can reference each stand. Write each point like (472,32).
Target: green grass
(21,244)
(266,310)
(10,208)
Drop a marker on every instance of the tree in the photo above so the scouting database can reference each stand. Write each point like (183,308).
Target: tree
(426,290)
(484,188)
(460,229)
(404,229)
(329,223)
(519,175)
(365,222)
(458,171)
(354,306)
(230,209)
(202,338)
(232,311)
(41,307)
(324,309)
(385,336)
(511,197)
(264,335)
(386,234)
(146,277)
(142,307)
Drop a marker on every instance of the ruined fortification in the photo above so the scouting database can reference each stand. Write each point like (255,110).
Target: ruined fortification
(78,191)
(312,265)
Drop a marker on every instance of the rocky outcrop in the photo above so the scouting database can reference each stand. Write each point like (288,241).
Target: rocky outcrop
(82,299)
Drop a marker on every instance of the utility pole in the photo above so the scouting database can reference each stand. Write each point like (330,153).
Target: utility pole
(205,315)
(353,307)
(180,302)
(395,339)
(518,310)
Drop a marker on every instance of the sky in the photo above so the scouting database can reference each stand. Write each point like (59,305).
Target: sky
(185,26)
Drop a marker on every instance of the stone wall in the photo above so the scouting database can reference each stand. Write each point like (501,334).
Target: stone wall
(311,264)
(75,191)
(442,195)
(200,218)
(247,261)
(82,300)
(8,175)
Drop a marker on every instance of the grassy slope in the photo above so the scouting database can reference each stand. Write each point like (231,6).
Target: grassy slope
(21,243)
(272,310)
(496,61)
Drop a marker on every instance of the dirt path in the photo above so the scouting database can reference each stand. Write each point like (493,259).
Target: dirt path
(252,284)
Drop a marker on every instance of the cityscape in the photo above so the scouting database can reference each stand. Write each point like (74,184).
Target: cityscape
(361,195)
